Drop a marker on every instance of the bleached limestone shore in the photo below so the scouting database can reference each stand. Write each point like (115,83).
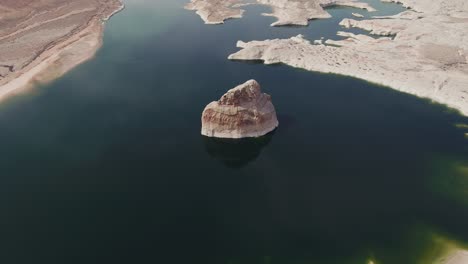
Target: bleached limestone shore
(288,12)
(457,257)
(422,53)
(41,40)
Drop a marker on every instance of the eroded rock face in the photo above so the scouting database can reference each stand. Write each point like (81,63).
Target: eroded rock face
(242,112)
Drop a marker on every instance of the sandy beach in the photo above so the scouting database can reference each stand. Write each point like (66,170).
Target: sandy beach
(42,40)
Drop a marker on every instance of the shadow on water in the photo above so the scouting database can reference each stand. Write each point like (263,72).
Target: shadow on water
(236,153)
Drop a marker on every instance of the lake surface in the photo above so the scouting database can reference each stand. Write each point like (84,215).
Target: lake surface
(107,164)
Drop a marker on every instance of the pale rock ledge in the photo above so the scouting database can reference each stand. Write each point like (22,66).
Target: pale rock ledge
(426,54)
(288,12)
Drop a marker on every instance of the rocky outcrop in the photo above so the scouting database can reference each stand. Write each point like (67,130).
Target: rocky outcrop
(288,12)
(242,112)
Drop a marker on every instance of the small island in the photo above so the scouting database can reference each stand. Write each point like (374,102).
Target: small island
(243,112)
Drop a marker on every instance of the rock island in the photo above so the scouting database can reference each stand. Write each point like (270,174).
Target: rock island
(242,112)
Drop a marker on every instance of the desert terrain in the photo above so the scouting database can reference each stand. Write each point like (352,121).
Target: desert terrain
(42,39)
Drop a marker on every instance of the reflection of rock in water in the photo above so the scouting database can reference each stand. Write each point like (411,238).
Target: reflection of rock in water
(236,153)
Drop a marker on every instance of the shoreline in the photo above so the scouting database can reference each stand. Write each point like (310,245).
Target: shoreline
(61,57)
(376,82)
(214,12)
(422,54)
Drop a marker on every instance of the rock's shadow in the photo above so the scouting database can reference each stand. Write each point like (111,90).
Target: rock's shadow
(236,153)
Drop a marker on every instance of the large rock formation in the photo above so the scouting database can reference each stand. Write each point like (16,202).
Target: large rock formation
(242,112)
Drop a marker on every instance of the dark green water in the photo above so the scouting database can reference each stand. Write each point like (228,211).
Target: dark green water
(107,165)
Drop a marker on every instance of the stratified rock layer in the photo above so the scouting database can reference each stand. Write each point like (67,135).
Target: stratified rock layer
(242,112)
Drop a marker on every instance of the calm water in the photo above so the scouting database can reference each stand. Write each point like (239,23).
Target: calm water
(107,165)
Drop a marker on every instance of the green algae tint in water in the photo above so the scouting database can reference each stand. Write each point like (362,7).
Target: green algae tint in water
(107,164)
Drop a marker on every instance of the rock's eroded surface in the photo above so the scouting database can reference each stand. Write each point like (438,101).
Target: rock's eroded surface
(242,112)
(42,39)
(288,12)
(422,53)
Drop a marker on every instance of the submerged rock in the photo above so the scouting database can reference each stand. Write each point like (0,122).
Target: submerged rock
(242,112)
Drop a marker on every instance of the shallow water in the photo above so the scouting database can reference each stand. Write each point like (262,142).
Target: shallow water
(107,165)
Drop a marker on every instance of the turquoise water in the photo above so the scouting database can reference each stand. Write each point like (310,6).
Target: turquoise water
(107,164)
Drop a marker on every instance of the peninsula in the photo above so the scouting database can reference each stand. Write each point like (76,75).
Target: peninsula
(40,40)
(422,51)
